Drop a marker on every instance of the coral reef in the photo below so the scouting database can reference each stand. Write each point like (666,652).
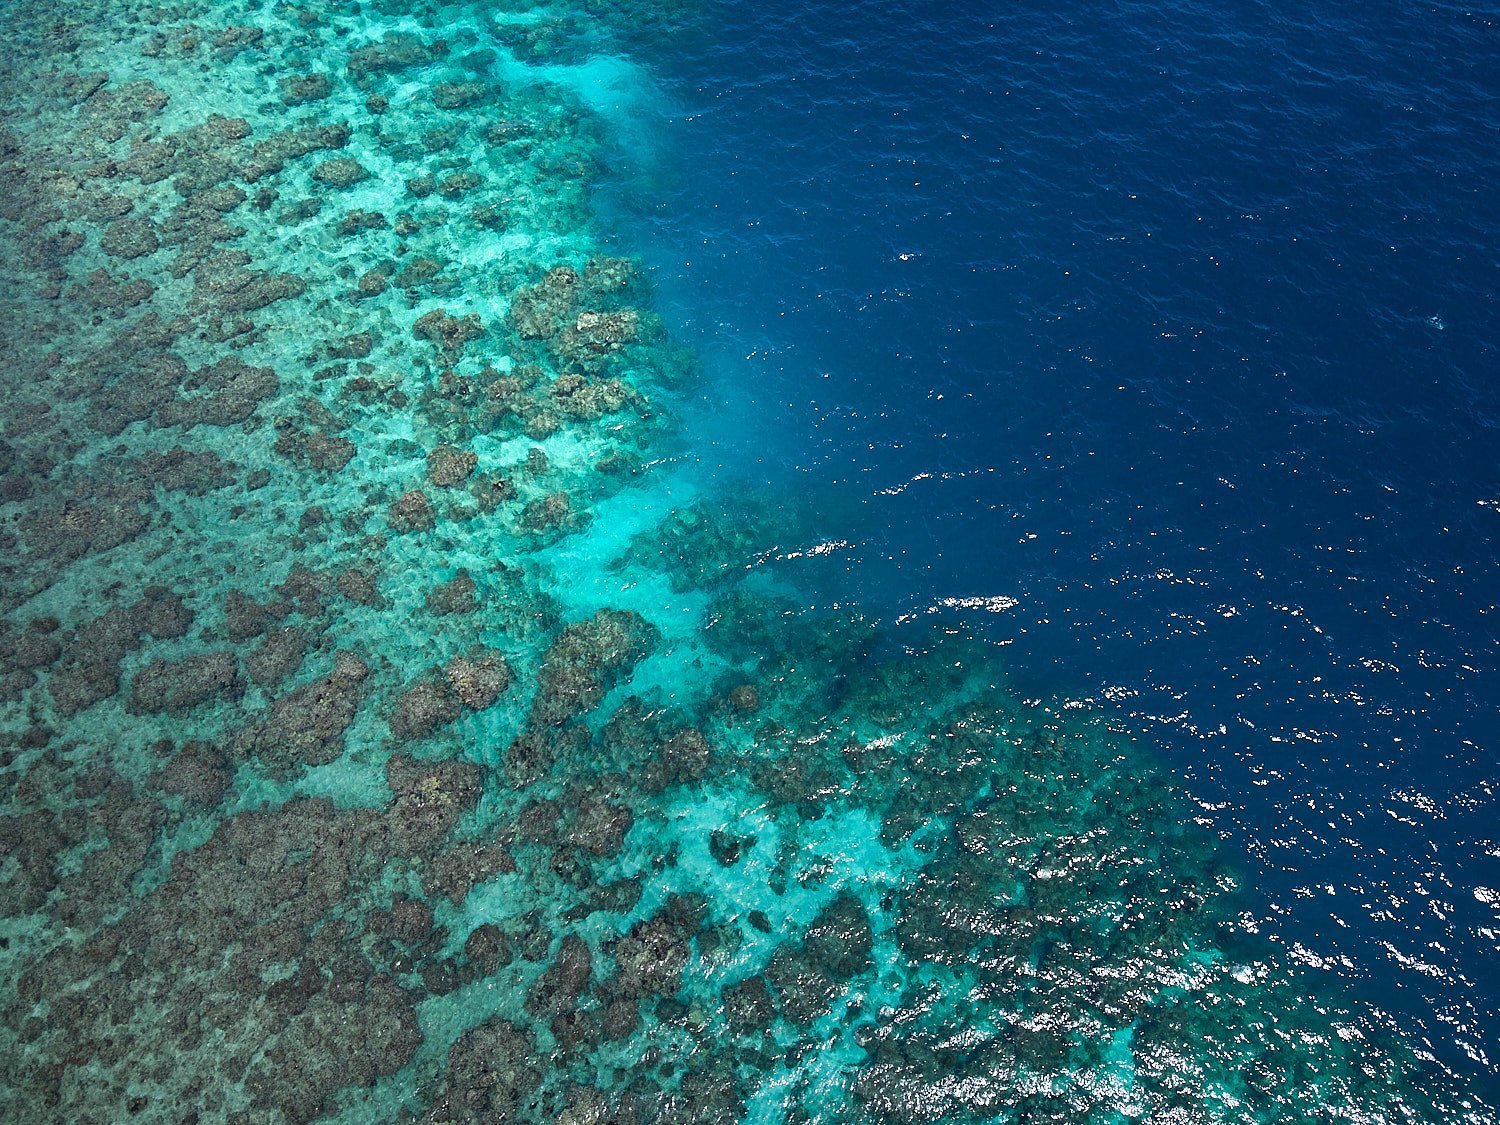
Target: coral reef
(346,775)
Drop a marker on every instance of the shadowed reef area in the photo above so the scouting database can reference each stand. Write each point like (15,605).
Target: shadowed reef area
(392,730)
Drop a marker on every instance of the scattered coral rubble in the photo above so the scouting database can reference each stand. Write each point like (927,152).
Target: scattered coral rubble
(333,786)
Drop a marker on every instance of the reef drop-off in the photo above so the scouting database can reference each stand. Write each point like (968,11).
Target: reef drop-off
(393,731)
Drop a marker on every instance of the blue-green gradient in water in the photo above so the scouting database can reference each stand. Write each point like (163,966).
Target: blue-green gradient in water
(436,687)
(1158,343)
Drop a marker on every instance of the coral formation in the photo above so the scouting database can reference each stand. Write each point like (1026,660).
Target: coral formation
(343,776)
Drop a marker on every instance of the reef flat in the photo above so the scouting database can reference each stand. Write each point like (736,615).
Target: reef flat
(393,731)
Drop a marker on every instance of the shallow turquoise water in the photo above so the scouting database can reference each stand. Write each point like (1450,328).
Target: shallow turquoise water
(400,725)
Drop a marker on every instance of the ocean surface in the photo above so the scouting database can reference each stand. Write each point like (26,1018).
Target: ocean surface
(604,561)
(1156,343)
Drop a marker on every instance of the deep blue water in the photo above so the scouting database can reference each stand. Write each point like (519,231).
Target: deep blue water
(1177,324)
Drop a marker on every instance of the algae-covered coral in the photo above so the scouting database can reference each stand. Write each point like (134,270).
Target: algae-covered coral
(392,733)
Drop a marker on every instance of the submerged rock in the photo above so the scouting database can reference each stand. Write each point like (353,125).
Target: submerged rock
(92,656)
(804,990)
(840,939)
(180,470)
(651,956)
(300,89)
(278,150)
(449,333)
(200,772)
(448,467)
(555,510)
(430,797)
(459,95)
(457,596)
(278,656)
(726,848)
(467,864)
(423,708)
(587,659)
(129,238)
(413,511)
(78,687)
(373,282)
(602,332)
(748,1006)
(478,678)
(541,311)
(341,172)
(306,727)
(599,826)
(565,981)
(457,184)
(233,39)
(174,687)
(396,52)
(491,491)
(275,970)
(224,393)
(325,452)
(244,617)
(492,1076)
